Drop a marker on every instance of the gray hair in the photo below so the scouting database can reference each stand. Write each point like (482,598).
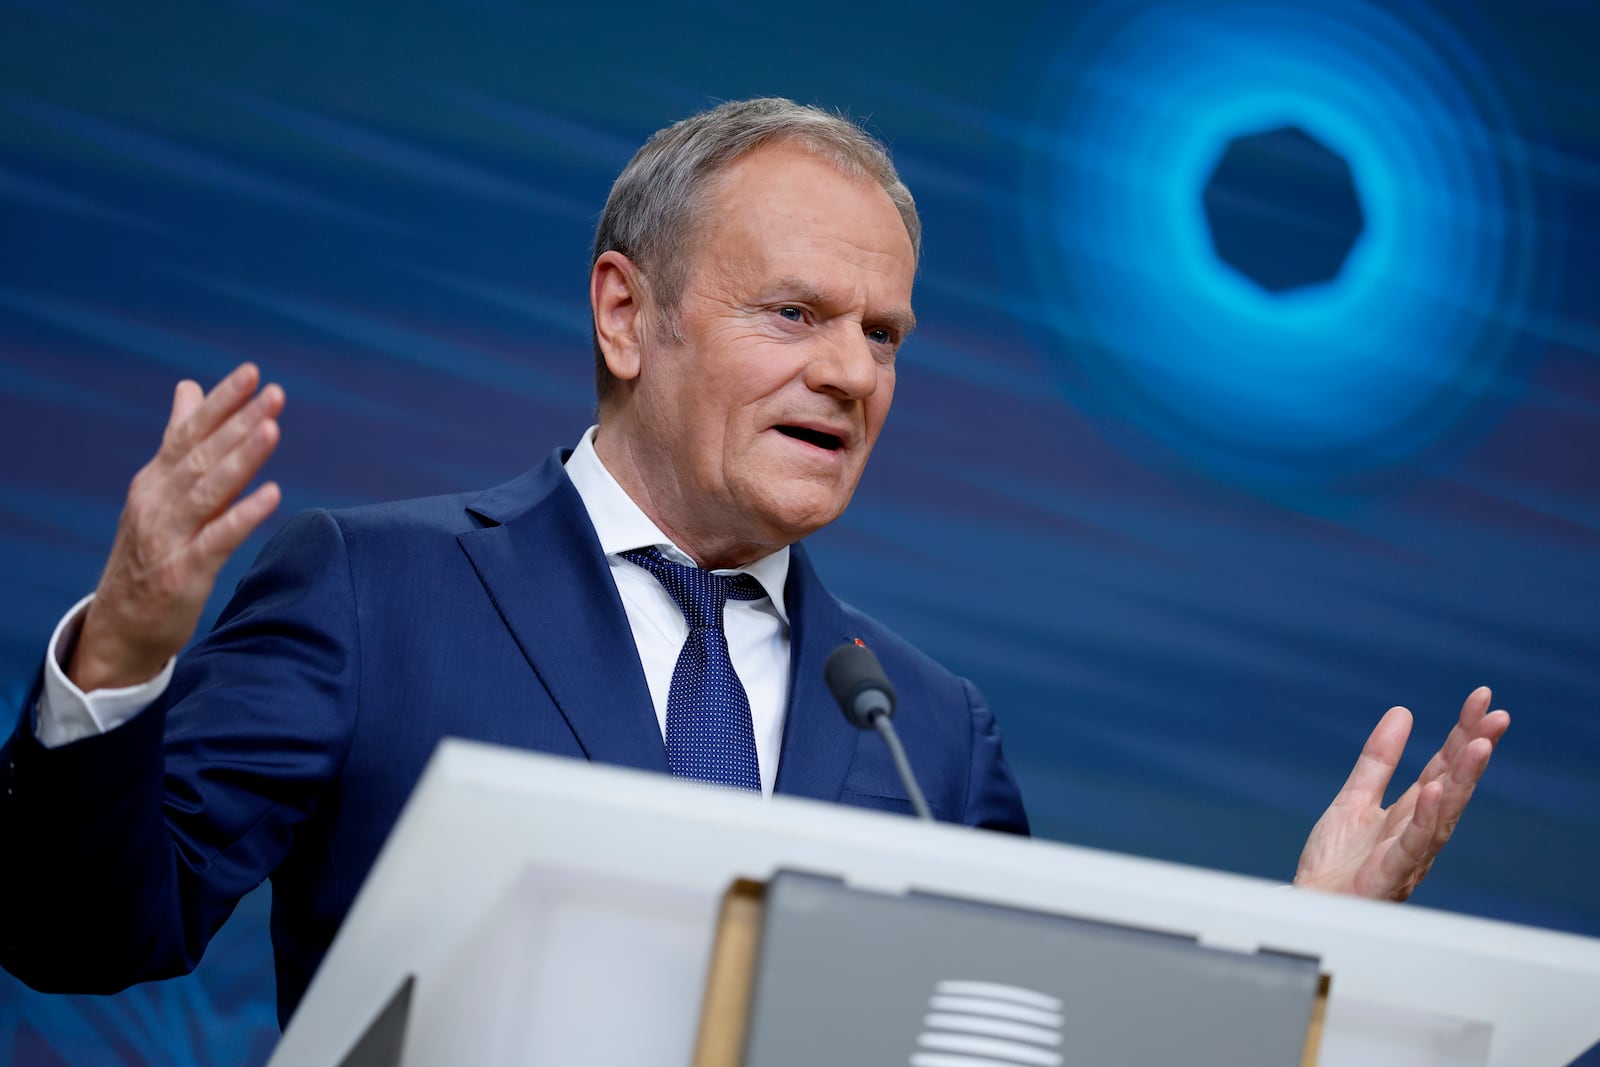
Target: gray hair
(654,207)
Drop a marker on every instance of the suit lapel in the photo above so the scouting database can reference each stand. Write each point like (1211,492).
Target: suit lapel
(818,742)
(541,565)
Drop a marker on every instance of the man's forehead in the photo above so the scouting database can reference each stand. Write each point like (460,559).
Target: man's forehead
(786,223)
(786,173)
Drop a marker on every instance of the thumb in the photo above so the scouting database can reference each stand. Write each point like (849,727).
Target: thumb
(1379,758)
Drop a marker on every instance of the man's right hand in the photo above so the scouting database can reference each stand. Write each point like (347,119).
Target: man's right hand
(179,526)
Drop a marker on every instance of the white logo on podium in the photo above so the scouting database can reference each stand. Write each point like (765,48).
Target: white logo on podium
(987,1024)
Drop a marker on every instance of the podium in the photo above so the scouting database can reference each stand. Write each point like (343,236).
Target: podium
(536,910)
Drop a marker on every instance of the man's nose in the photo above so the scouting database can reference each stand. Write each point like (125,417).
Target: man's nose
(843,364)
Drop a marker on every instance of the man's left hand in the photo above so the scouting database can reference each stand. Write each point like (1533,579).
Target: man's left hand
(1360,847)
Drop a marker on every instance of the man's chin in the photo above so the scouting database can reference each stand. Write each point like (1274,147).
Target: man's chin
(795,520)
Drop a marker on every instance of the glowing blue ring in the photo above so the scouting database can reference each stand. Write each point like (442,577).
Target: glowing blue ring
(1324,381)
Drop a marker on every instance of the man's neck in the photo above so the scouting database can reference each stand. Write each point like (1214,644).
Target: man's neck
(709,553)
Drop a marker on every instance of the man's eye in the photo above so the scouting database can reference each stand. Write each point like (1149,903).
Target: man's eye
(880,337)
(793,314)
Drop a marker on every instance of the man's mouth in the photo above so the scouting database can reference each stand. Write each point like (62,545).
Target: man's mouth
(819,438)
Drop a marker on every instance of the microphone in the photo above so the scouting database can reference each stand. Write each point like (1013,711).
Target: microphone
(867,699)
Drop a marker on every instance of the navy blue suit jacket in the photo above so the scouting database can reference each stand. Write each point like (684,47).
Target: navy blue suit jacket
(293,733)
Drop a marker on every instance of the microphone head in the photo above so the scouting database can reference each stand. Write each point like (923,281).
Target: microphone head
(858,683)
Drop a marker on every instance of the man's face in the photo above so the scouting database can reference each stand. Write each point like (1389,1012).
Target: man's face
(762,418)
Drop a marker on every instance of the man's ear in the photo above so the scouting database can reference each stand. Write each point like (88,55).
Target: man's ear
(621,302)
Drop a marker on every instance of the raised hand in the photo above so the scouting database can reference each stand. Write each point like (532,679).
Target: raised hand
(1360,847)
(180,523)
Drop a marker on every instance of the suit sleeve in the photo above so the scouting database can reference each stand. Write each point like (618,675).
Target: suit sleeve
(994,801)
(124,852)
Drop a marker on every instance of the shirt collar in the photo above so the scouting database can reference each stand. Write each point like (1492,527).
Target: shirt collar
(622,525)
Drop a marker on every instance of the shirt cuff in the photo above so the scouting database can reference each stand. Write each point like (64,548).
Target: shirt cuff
(65,713)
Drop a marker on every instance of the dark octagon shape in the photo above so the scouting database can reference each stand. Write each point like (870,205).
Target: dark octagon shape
(1283,209)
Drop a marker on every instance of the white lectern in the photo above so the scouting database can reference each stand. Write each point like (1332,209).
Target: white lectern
(554,912)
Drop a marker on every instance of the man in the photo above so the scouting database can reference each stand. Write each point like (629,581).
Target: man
(751,285)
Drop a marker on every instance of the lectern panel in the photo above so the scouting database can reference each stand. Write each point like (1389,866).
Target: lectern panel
(847,975)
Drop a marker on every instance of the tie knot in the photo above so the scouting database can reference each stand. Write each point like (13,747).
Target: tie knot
(699,594)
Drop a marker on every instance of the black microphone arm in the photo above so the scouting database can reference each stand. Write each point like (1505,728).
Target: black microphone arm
(867,699)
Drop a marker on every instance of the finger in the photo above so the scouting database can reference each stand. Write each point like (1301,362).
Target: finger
(228,396)
(1494,726)
(1379,757)
(185,398)
(1400,812)
(1467,727)
(1458,786)
(1405,863)
(1491,728)
(1474,707)
(223,535)
(204,455)
(217,488)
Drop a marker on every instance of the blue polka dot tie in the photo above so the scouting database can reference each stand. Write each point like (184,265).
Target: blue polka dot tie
(710,736)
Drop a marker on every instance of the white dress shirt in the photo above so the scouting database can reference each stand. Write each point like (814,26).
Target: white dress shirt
(757,630)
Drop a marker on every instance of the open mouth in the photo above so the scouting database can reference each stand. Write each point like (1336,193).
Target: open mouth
(829,441)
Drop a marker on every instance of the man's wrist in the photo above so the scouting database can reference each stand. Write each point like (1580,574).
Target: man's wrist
(90,669)
(65,713)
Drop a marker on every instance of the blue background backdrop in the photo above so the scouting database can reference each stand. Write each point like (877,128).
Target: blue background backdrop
(1256,387)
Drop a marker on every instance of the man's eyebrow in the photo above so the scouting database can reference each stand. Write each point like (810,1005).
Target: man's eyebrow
(797,289)
(804,292)
(901,322)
